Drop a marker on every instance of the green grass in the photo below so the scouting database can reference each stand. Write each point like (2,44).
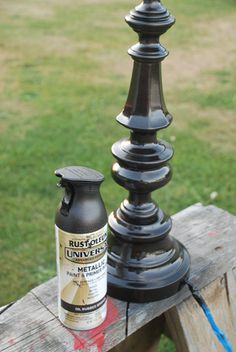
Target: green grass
(65,76)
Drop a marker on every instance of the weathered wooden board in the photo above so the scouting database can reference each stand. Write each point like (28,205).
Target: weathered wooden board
(31,324)
(145,339)
(47,295)
(107,335)
(209,233)
(188,326)
(28,326)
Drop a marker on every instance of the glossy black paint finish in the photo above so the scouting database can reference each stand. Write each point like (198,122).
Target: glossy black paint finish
(145,263)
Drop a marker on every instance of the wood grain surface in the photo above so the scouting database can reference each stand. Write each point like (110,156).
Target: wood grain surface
(31,324)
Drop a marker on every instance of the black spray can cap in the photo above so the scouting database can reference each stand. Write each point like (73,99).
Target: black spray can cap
(82,209)
(79,174)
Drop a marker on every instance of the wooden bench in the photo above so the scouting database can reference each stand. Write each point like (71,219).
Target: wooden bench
(209,233)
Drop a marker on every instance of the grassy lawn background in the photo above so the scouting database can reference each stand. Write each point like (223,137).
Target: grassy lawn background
(65,76)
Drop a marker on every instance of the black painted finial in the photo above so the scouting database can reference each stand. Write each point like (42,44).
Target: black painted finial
(144,262)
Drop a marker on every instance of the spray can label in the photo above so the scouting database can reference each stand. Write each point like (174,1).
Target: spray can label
(82,278)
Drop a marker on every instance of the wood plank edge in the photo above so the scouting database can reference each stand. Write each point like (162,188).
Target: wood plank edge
(4,308)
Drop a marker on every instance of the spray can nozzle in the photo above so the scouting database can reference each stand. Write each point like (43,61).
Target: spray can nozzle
(79,174)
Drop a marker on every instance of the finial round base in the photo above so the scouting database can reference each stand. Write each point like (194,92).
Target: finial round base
(139,272)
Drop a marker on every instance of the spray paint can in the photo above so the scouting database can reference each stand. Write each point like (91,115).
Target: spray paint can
(81,246)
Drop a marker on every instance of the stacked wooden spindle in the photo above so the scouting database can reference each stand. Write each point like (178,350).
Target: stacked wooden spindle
(145,263)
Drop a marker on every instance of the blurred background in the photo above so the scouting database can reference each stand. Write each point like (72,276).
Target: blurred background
(65,76)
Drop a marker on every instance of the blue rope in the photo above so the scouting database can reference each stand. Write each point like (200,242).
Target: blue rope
(217,331)
(222,338)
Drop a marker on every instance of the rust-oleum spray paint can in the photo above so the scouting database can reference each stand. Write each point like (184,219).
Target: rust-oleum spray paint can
(81,241)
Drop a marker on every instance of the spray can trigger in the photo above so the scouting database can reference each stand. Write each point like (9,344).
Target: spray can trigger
(67,199)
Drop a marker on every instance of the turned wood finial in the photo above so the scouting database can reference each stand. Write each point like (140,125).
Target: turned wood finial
(140,247)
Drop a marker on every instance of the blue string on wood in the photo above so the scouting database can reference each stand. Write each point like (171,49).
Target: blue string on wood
(222,338)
